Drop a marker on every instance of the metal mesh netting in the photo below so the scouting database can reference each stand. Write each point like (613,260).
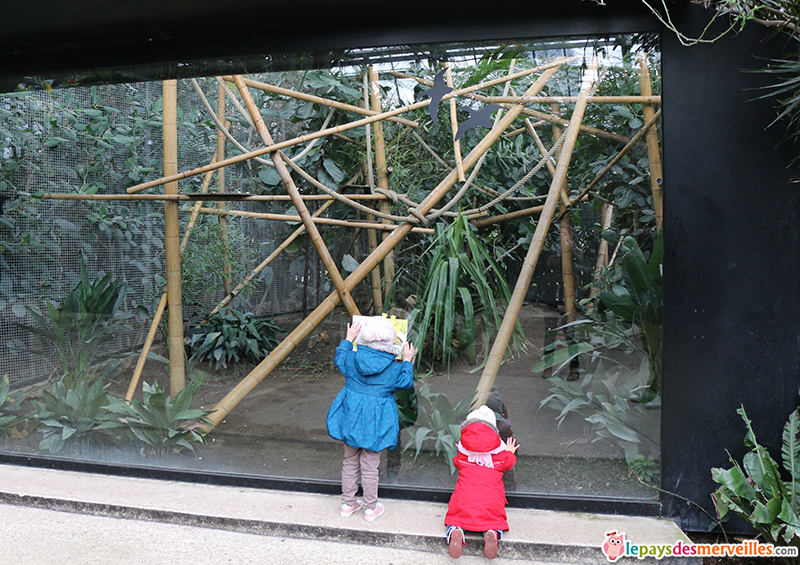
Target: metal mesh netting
(103,140)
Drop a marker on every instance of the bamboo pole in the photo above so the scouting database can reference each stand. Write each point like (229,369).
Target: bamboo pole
(565,231)
(512,215)
(503,337)
(318,100)
(372,235)
(382,179)
(619,155)
(171,241)
(606,214)
(644,99)
(454,126)
(263,265)
(148,343)
(288,183)
(240,391)
(227,270)
(653,151)
(200,197)
(339,129)
(325,221)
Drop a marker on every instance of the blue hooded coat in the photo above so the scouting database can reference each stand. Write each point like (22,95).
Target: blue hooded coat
(364,413)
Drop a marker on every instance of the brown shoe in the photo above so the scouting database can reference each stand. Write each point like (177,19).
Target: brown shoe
(490,544)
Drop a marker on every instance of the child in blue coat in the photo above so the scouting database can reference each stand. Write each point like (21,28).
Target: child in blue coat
(364,413)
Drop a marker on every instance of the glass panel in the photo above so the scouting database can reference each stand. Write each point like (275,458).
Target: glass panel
(82,278)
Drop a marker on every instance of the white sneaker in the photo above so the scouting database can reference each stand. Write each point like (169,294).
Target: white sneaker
(371,515)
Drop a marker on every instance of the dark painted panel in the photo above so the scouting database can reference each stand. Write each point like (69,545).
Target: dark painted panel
(731,274)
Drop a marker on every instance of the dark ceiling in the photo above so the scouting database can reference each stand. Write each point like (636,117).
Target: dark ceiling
(46,37)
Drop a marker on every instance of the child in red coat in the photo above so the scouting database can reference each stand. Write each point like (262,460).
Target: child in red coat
(478,503)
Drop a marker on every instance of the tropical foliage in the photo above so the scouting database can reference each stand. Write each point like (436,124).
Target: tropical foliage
(158,423)
(438,424)
(230,336)
(81,325)
(760,490)
(463,284)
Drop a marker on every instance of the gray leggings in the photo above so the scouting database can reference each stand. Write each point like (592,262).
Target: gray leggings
(367,463)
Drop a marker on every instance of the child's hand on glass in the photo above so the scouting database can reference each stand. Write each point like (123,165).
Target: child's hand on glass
(352,331)
(512,445)
(408,351)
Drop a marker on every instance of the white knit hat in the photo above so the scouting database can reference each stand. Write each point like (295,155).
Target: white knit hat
(378,333)
(484,414)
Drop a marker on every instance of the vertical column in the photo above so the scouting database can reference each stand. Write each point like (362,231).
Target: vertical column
(172,241)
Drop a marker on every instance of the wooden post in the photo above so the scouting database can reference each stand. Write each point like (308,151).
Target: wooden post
(172,241)
(241,390)
(372,235)
(383,179)
(565,232)
(606,214)
(500,344)
(305,215)
(454,125)
(227,275)
(653,151)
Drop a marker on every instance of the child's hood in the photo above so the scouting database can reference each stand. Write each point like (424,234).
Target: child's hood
(371,362)
(480,438)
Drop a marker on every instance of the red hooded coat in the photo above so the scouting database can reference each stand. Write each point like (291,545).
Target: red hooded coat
(479,500)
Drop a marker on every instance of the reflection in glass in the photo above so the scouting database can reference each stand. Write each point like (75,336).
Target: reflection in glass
(84,270)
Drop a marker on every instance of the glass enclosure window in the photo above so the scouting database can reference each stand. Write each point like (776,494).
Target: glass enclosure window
(471,144)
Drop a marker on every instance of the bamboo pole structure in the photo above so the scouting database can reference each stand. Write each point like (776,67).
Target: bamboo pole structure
(619,155)
(325,221)
(171,241)
(511,315)
(529,112)
(454,126)
(200,197)
(339,129)
(381,172)
(241,390)
(227,270)
(653,151)
(263,265)
(565,231)
(318,100)
(288,183)
(606,214)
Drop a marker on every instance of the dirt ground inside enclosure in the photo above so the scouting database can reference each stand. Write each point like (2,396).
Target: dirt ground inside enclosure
(278,430)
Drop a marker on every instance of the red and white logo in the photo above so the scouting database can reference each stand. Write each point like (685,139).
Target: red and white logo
(614,545)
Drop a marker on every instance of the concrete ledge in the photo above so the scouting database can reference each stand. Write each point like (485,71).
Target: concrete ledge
(537,535)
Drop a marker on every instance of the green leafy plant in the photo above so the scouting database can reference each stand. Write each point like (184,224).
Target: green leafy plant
(612,404)
(620,339)
(81,325)
(160,424)
(438,424)
(463,282)
(231,336)
(7,421)
(646,469)
(762,492)
(69,415)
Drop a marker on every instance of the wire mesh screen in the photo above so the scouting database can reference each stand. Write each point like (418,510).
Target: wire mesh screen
(102,140)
